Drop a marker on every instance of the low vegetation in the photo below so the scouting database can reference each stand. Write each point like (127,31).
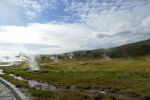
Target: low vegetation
(129,75)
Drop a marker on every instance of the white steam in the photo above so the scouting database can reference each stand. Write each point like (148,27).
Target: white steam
(33,64)
(11,60)
(55,59)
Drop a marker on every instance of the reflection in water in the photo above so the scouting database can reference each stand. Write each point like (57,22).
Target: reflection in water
(1,71)
(16,77)
(6,65)
(46,86)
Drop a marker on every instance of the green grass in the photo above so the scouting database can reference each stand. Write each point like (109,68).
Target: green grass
(39,94)
(131,75)
(19,84)
(46,95)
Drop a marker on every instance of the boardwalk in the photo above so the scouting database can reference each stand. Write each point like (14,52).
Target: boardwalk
(5,93)
(9,92)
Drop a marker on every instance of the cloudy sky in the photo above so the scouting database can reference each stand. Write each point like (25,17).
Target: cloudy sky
(57,26)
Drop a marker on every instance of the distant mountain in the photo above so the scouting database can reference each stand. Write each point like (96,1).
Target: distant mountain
(141,48)
(130,50)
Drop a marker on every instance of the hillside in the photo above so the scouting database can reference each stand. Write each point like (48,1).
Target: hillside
(141,48)
(130,50)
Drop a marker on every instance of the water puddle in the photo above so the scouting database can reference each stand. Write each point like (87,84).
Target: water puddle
(1,72)
(6,65)
(40,85)
(45,86)
(16,77)
(90,90)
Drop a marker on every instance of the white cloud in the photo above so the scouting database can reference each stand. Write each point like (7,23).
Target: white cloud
(103,15)
(101,24)
(67,37)
(146,22)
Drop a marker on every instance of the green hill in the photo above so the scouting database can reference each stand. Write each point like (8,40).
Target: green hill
(141,48)
(137,49)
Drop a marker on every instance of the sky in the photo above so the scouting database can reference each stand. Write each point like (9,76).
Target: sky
(58,26)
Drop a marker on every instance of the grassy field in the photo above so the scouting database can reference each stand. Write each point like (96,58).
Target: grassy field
(130,75)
